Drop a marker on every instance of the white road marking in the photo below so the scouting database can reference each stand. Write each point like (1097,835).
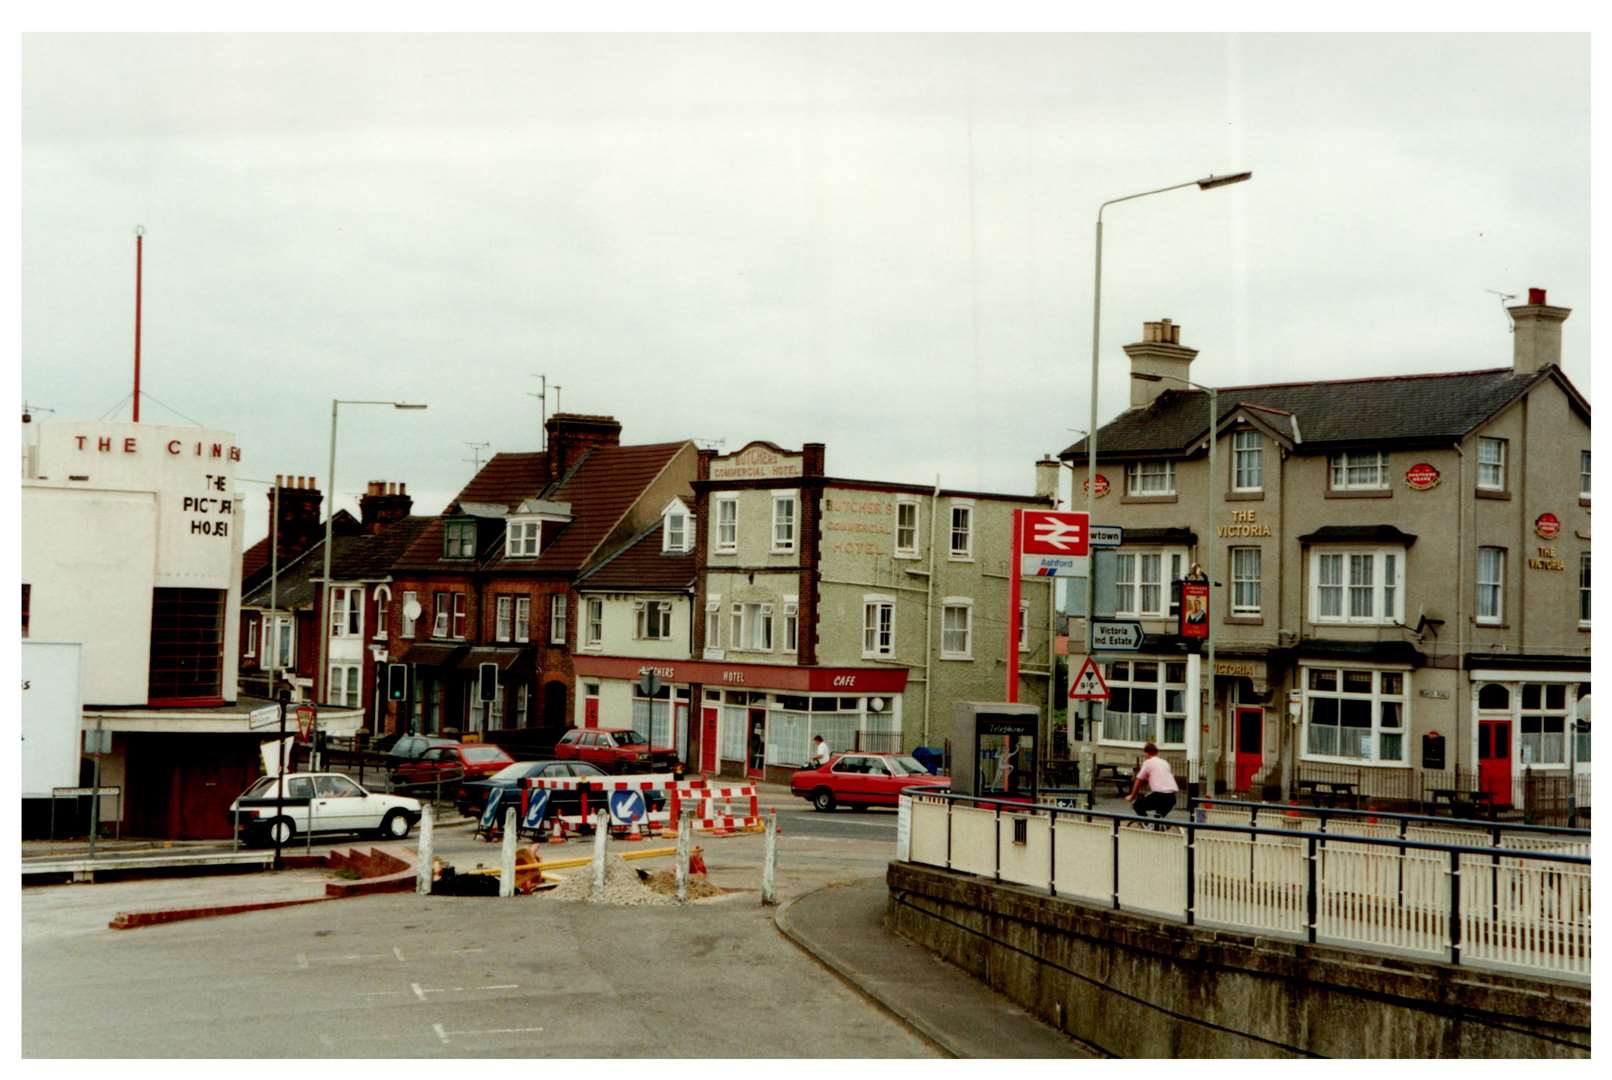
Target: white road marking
(443,1034)
(421,991)
(397,952)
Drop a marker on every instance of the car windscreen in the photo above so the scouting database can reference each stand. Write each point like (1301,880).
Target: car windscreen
(907,765)
(518,771)
(484,753)
(628,738)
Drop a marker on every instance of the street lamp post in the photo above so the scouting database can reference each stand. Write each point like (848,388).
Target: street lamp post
(1208,182)
(322,676)
(1211,753)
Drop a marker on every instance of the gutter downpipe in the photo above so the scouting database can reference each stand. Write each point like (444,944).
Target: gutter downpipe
(929,609)
(1462,685)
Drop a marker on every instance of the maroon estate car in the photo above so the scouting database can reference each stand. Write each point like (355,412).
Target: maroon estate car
(615,750)
(451,762)
(859,780)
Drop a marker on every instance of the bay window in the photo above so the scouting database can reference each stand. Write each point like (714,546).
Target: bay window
(1357,586)
(1355,715)
(1142,581)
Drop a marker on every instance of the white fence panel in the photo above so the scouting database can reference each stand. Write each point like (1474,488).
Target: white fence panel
(1369,895)
(1028,863)
(1255,882)
(973,840)
(1527,914)
(1084,862)
(1153,870)
(927,843)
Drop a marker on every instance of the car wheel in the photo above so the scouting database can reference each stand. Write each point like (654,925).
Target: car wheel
(280,831)
(396,826)
(823,799)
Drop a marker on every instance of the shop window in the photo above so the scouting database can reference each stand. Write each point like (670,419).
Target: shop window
(1355,715)
(1147,702)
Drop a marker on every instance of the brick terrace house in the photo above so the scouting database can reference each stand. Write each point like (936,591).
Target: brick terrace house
(284,636)
(1401,569)
(860,610)
(489,581)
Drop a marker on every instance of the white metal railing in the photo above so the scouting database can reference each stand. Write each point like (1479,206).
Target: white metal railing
(1434,892)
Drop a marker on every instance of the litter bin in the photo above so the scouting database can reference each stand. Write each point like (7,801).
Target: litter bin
(929,758)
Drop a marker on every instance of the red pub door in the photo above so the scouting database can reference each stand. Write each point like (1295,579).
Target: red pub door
(1250,745)
(1494,760)
(708,739)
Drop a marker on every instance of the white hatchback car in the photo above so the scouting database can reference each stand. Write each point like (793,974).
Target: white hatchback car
(320,803)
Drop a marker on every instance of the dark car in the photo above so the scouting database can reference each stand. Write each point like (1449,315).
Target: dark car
(616,750)
(471,797)
(410,747)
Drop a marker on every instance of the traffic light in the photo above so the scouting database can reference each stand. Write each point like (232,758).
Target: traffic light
(397,682)
(489,682)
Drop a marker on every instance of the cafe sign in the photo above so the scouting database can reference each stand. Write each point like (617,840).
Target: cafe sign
(1421,476)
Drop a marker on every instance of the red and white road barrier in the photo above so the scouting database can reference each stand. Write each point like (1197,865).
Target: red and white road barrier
(715,806)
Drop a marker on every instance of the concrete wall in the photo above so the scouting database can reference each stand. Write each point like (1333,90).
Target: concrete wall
(1135,987)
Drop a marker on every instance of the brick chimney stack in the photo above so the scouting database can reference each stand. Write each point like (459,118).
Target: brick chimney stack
(572,435)
(301,527)
(382,504)
(1046,477)
(1160,352)
(1536,333)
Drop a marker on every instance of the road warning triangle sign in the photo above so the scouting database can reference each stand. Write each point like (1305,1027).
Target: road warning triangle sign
(1089,684)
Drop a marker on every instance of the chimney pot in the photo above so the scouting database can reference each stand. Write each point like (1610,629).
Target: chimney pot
(1536,297)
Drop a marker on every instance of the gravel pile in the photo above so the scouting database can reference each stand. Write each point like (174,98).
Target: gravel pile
(699,887)
(623,887)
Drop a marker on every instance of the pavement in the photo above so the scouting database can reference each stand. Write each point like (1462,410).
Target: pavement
(843,926)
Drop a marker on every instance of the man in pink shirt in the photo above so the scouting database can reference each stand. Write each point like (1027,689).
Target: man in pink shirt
(1161,785)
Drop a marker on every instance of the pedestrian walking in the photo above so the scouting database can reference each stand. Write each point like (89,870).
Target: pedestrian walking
(1161,785)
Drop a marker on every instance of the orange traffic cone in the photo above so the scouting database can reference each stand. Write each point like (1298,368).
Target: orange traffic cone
(696,861)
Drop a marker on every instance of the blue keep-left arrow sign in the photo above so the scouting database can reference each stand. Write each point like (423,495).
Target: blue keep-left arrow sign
(537,807)
(626,807)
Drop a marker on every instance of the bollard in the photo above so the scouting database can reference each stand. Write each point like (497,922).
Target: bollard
(685,833)
(422,869)
(769,861)
(506,873)
(601,833)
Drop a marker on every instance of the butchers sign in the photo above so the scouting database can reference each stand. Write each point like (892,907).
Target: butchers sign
(1421,476)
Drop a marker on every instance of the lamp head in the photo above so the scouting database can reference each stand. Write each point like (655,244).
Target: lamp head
(1213,181)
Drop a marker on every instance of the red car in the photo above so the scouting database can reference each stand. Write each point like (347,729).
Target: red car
(450,763)
(615,750)
(860,780)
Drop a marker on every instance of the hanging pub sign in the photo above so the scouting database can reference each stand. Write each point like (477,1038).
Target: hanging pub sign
(1548,525)
(1195,608)
(1421,476)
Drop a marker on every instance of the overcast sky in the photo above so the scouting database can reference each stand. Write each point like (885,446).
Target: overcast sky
(879,243)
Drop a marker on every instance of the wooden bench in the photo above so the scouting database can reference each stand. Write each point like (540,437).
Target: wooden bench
(1120,775)
(1461,803)
(1329,792)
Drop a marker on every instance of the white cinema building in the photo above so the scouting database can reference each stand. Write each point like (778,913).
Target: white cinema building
(131,551)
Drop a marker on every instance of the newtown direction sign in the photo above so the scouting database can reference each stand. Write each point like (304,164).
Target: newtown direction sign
(1116,635)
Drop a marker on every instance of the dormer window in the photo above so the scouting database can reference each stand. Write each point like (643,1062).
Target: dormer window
(459,539)
(522,538)
(677,528)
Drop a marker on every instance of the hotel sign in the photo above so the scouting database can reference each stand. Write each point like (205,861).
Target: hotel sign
(758,462)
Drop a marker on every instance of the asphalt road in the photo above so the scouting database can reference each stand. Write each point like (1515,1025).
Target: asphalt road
(441,977)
